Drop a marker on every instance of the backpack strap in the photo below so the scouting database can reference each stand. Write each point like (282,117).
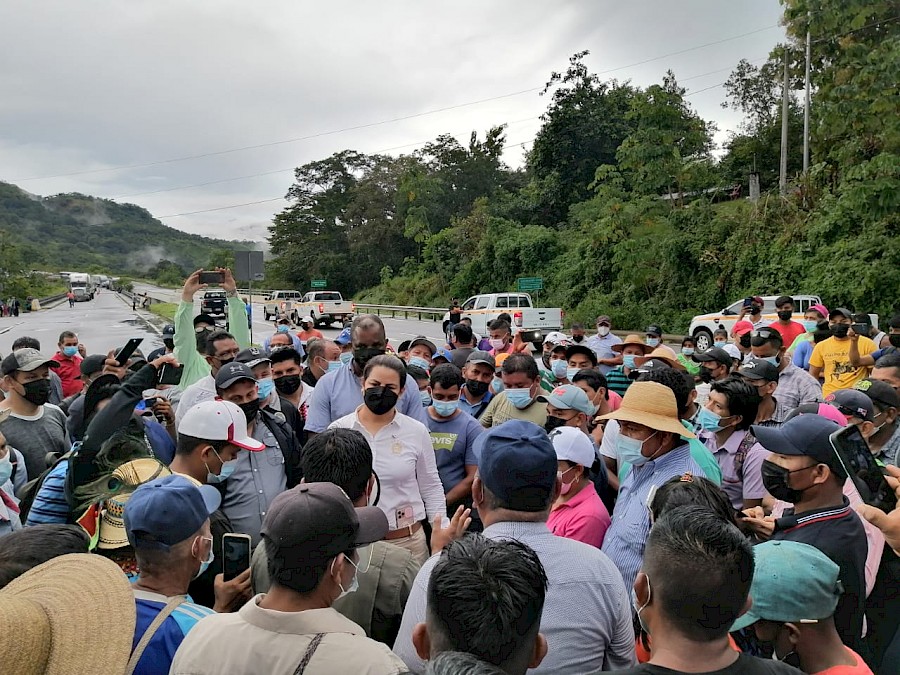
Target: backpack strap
(158,621)
(740,456)
(307,656)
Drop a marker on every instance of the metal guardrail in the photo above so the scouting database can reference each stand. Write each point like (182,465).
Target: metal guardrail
(434,313)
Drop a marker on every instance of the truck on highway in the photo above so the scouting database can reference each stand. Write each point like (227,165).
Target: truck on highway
(82,286)
(324,307)
(280,304)
(533,322)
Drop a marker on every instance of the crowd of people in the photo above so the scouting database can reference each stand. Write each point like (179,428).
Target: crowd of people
(605,504)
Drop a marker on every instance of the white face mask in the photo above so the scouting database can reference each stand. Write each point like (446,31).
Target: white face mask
(354,584)
(602,331)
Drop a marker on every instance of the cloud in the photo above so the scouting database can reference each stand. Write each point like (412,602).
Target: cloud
(89,87)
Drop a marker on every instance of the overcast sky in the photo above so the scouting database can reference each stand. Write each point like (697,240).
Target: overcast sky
(97,86)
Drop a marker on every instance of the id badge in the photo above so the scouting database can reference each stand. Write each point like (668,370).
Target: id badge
(405,516)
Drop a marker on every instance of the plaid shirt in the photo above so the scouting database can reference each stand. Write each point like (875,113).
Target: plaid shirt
(778,417)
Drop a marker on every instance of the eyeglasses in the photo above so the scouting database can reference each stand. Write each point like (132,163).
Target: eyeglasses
(765,333)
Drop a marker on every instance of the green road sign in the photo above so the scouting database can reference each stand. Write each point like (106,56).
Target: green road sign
(530,284)
(318,283)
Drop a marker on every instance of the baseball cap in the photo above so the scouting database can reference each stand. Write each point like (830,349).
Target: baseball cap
(219,421)
(715,354)
(742,328)
(584,350)
(26,360)
(604,319)
(792,582)
(880,392)
(403,346)
(569,397)
(422,340)
(732,351)
(825,410)
(479,356)
(573,445)
(92,364)
(445,354)
(307,320)
(556,338)
(283,321)
(648,366)
(231,373)
(820,308)
(252,356)
(317,521)
(167,511)
(204,318)
(168,330)
(517,463)
(343,338)
(852,403)
(653,329)
(804,435)
(841,311)
(759,369)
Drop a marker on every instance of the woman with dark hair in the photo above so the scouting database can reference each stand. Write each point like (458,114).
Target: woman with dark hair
(411,488)
(685,356)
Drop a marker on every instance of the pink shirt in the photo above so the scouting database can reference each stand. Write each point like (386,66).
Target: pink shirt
(583,518)
(615,401)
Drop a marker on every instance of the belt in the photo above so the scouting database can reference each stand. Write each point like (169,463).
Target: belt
(404,532)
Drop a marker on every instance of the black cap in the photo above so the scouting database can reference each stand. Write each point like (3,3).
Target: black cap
(852,403)
(231,373)
(403,346)
(168,330)
(92,363)
(649,366)
(252,356)
(841,311)
(880,392)
(422,340)
(804,435)
(653,329)
(584,350)
(715,354)
(204,318)
(759,369)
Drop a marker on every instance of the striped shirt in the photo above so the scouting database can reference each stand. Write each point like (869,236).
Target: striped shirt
(587,612)
(618,381)
(50,506)
(626,538)
(160,651)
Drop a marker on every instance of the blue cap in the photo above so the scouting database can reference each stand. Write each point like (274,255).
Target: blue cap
(167,511)
(444,353)
(803,435)
(517,463)
(343,338)
(792,583)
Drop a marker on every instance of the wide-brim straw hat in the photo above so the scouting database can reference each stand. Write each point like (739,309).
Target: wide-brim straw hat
(662,353)
(633,339)
(112,522)
(71,615)
(653,405)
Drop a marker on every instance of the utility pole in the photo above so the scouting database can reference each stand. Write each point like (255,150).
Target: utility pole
(806,107)
(782,176)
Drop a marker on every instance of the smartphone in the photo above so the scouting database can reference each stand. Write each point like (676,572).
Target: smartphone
(235,554)
(149,403)
(125,352)
(868,477)
(860,329)
(170,374)
(212,277)
(748,302)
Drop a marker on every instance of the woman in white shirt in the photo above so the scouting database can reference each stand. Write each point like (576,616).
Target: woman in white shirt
(403,455)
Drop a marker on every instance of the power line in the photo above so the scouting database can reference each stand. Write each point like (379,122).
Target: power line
(379,123)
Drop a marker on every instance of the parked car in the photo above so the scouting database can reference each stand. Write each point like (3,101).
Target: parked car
(533,322)
(324,307)
(214,303)
(280,304)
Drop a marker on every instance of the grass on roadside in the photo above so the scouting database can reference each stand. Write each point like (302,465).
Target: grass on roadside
(165,309)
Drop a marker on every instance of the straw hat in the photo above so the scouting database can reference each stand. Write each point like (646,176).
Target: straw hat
(653,405)
(112,525)
(663,353)
(73,614)
(633,339)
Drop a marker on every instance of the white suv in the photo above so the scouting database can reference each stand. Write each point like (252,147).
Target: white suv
(702,326)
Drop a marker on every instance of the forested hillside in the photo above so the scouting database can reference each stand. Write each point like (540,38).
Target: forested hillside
(622,207)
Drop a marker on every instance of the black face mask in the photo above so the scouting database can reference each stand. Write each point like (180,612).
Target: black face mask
(225,362)
(755,309)
(250,408)
(786,315)
(775,480)
(894,339)
(554,423)
(476,387)
(362,355)
(37,392)
(578,338)
(745,340)
(287,384)
(169,344)
(201,338)
(380,400)
(706,375)
(840,330)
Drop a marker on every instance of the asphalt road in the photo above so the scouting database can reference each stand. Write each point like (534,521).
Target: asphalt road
(104,323)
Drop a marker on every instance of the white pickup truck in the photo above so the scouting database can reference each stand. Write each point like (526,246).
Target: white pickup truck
(280,304)
(324,307)
(533,322)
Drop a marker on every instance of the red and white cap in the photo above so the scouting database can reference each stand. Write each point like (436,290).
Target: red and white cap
(219,421)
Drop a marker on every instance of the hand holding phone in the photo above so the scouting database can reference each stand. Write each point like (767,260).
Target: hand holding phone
(861,329)
(235,554)
(170,374)
(864,471)
(125,352)
(212,278)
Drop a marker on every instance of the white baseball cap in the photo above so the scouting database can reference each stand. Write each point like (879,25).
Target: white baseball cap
(556,338)
(219,421)
(573,445)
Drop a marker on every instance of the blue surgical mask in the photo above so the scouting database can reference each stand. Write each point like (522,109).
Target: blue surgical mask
(5,468)
(810,325)
(497,385)
(70,351)
(446,408)
(336,365)
(572,372)
(426,397)
(283,328)
(652,342)
(520,398)
(558,366)
(226,470)
(774,360)
(708,420)
(719,343)
(628,361)
(629,449)
(346,357)
(204,564)
(419,362)
(687,351)
(266,385)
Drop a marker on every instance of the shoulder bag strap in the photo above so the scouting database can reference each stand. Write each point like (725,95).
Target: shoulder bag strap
(151,631)
(310,650)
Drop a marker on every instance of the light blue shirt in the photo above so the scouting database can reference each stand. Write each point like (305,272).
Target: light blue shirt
(339,393)
(602,347)
(627,536)
(587,612)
